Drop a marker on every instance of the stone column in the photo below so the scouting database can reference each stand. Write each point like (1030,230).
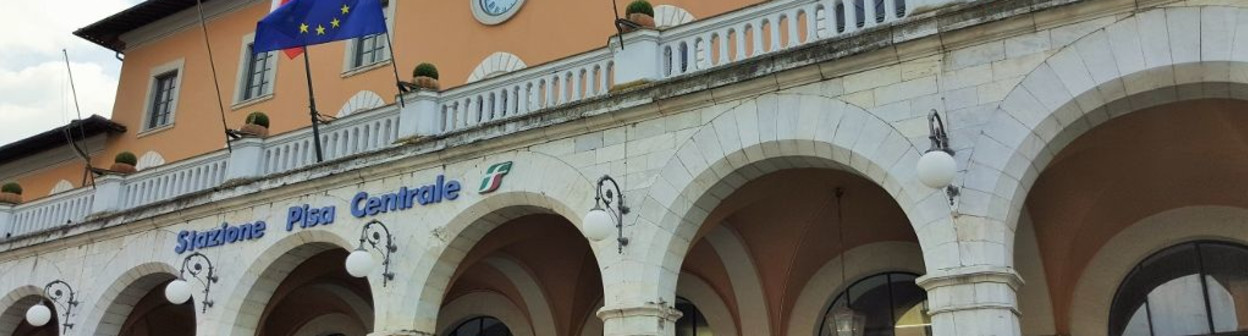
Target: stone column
(421,117)
(109,195)
(247,159)
(973,301)
(638,60)
(647,319)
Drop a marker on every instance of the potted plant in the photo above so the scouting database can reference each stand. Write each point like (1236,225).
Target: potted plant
(11,193)
(257,124)
(641,13)
(124,163)
(425,76)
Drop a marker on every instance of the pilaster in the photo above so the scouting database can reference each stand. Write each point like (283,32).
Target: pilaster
(648,319)
(638,59)
(973,301)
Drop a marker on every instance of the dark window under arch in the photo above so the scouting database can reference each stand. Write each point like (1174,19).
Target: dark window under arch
(692,322)
(1195,288)
(892,304)
(481,326)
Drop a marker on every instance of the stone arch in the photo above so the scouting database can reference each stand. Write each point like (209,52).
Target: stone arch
(755,138)
(115,303)
(149,160)
(496,64)
(14,305)
(703,296)
(265,273)
(826,284)
(324,324)
(484,303)
(539,309)
(61,186)
(666,16)
(1099,282)
(746,284)
(1156,57)
(361,101)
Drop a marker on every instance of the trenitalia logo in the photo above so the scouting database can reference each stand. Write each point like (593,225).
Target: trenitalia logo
(494,177)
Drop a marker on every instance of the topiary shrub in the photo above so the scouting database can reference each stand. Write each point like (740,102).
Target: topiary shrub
(126,158)
(640,6)
(426,70)
(12,188)
(258,118)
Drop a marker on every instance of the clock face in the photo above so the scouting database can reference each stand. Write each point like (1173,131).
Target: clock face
(497,7)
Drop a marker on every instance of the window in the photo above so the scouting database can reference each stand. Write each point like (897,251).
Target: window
(691,323)
(161,113)
(1196,288)
(888,304)
(481,326)
(372,49)
(258,76)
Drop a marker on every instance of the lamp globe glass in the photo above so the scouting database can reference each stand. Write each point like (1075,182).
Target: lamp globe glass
(360,263)
(598,224)
(38,315)
(178,291)
(936,169)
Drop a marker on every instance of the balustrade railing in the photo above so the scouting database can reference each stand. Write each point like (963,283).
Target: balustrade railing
(697,46)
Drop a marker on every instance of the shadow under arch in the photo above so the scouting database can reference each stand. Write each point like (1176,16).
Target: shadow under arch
(15,304)
(262,277)
(1072,92)
(453,242)
(775,132)
(114,306)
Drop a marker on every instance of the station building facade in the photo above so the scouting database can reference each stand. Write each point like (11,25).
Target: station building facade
(762,159)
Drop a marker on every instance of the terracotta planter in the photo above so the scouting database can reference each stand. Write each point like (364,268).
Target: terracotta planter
(10,198)
(256,130)
(426,82)
(646,21)
(124,168)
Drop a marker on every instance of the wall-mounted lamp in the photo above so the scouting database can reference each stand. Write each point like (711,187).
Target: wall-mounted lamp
(360,262)
(937,167)
(63,296)
(608,212)
(200,268)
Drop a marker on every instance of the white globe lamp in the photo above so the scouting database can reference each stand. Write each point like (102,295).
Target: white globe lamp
(598,224)
(936,169)
(360,263)
(178,291)
(38,315)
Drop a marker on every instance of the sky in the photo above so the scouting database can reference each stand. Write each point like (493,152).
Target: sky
(34,83)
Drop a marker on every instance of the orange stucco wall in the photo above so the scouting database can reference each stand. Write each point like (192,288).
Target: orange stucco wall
(441,32)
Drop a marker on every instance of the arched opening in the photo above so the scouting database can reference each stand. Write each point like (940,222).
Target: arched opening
(318,297)
(889,304)
(152,314)
(789,234)
(17,314)
(691,322)
(1195,288)
(534,274)
(1109,181)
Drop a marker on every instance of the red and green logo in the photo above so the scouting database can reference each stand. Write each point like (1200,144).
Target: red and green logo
(494,177)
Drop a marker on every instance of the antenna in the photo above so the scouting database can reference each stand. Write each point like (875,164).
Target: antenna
(69,135)
(621,23)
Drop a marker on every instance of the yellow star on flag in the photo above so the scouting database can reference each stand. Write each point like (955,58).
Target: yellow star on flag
(345,9)
(334,23)
(303,28)
(320,30)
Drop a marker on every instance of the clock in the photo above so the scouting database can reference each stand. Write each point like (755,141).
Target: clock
(493,12)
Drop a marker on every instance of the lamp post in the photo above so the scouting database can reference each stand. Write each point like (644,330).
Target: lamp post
(59,293)
(200,268)
(360,262)
(608,211)
(936,168)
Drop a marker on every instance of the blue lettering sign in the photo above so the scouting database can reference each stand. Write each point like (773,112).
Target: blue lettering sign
(225,234)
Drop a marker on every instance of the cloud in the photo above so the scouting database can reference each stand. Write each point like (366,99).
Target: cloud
(38,98)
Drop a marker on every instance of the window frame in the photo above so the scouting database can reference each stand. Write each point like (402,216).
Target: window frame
(352,51)
(176,69)
(1136,268)
(246,64)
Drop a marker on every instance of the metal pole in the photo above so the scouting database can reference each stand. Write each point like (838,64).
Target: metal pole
(394,64)
(316,130)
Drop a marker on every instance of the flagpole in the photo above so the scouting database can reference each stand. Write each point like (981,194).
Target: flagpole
(394,64)
(316,130)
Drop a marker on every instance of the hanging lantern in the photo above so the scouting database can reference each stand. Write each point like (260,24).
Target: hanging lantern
(847,322)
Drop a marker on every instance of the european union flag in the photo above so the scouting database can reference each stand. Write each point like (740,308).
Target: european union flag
(307,22)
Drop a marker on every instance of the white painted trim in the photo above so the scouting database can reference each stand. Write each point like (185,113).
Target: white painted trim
(477,304)
(240,77)
(862,261)
(496,64)
(491,20)
(362,101)
(540,315)
(667,16)
(348,53)
(177,65)
(149,160)
(713,308)
(751,300)
(1089,315)
(61,186)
